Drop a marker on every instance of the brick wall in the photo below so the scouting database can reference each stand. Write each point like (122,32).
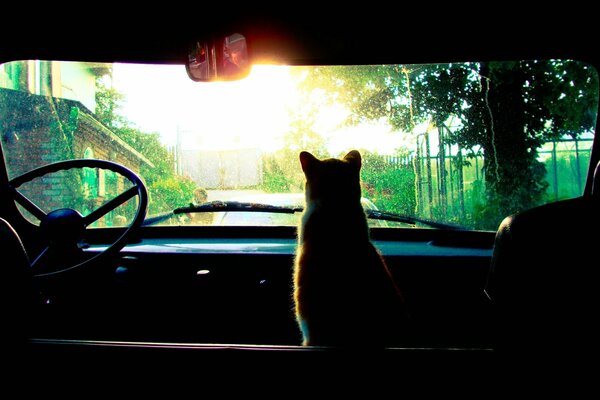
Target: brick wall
(37,130)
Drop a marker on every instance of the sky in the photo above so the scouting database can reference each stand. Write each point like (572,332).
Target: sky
(253,112)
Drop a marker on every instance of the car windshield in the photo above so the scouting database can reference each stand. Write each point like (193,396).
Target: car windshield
(463,144)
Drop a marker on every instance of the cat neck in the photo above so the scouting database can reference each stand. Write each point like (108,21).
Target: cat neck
(334,206)
(327,220)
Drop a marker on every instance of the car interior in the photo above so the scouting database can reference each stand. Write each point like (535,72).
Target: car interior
(123,250)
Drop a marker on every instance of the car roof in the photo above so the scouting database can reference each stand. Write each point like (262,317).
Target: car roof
(360,35)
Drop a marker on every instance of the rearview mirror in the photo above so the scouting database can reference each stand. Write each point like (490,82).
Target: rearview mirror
(222,59)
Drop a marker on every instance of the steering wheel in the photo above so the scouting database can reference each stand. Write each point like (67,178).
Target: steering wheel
(66,226)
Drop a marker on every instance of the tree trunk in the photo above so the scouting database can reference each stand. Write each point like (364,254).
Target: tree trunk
(512,172)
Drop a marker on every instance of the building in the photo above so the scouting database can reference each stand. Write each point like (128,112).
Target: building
(48,105)
(222,169)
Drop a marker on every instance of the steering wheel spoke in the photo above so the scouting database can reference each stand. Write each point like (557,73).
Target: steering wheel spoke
(39,258)
(109,206)
(28,204)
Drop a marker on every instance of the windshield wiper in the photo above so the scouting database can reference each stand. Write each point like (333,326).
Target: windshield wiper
(232,206)
(222,206)
(386,216)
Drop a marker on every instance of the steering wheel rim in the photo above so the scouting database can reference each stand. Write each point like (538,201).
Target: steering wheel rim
(138,188)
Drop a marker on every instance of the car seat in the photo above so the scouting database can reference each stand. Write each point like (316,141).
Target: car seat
(542,282)
(18,297)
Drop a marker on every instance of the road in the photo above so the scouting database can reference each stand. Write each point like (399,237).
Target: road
(225,195)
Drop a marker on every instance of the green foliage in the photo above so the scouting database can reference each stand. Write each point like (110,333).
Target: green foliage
(169,193)
(281,169)
(507,108)
(390,186)
(150,146)
(282,172)
(167,190)
(301,135)
(108,104)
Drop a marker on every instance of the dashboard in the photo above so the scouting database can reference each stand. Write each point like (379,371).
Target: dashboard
(236,288)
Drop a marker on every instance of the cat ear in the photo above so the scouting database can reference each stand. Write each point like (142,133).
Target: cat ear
(353,157)
(308,161)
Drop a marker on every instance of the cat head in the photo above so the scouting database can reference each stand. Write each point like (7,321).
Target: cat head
(332,179)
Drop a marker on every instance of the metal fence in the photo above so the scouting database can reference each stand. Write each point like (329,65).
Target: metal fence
(450,184)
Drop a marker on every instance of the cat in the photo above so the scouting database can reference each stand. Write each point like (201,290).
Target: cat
(344,294)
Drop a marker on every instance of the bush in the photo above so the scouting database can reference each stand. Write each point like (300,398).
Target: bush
(389,185)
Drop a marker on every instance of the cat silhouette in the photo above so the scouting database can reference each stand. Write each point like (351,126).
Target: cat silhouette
(344,293)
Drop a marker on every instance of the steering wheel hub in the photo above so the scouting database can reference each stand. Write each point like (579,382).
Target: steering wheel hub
(64,225)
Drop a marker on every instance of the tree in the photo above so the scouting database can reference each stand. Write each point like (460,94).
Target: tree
(507,108)
(108,105)
(390,187)
(166,189)
(281,169)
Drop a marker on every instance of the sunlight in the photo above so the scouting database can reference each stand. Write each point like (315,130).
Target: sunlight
(253,113)
(221,115)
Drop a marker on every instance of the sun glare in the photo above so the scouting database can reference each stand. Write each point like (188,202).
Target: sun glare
(254,113)
(221,115)
(256,109)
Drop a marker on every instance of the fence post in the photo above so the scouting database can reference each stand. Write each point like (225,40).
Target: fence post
(555,170)
(418,183)
(442,169)
(429,187)
(578,166)
(461,183)
(451,195)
